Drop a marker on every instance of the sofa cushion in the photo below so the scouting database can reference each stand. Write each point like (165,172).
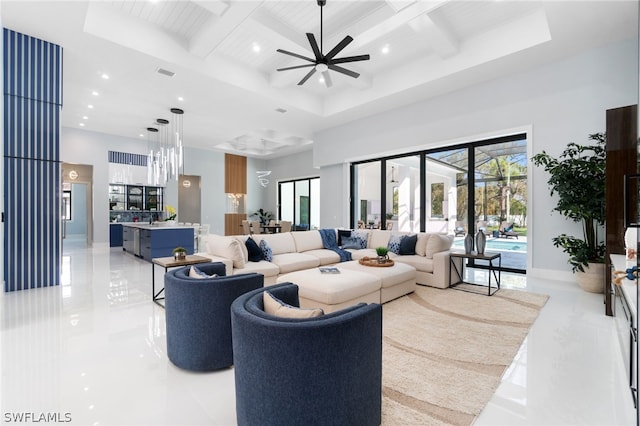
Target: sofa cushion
(307,240)
(242,240)
(379,238)
(421,244)
(421,263)
(267,252)
(228,247)
(325,256)
(437,243)
(263,267)
(289,262)
(408,245)
(254,252)
(276,307)
(279,242)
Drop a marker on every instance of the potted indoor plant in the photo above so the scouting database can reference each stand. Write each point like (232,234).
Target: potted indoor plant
(578,177)
(383,254)
(179,253)
(263,216)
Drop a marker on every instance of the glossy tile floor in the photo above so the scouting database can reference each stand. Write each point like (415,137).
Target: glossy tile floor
(93,351)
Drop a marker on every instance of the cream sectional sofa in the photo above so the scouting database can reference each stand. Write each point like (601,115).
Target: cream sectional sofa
(295,251)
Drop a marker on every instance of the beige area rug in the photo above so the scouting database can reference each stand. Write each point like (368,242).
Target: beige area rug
(444,352)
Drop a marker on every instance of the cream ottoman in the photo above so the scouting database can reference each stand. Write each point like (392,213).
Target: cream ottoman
(333,292)
(397,280)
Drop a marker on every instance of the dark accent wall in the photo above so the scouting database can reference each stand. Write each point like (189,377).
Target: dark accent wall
(32,102)
(622,160)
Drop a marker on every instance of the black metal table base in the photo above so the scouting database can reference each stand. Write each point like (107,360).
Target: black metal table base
(492,271)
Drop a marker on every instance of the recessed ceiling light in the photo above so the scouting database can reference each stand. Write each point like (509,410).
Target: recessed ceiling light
(94,93)
(105,76)
(180,98)
(256,47)
(321,80)
(90,106)
(81,124)
(385,49)
(141,135)
(84,117)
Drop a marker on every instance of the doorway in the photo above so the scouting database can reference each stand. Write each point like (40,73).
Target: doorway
(77,205)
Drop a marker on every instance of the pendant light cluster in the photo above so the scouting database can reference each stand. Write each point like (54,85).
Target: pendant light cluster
(165,151)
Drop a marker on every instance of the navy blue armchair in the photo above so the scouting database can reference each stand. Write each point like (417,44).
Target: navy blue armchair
(317,371)
(198,315)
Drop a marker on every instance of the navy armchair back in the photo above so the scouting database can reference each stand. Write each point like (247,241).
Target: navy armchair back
(198,315)
(317,371)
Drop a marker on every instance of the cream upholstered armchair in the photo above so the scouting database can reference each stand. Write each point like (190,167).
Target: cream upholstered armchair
(285,226)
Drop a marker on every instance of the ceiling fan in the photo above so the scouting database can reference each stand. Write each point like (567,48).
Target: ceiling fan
(323,63)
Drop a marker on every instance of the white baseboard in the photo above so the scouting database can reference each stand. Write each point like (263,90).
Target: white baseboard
(550,274)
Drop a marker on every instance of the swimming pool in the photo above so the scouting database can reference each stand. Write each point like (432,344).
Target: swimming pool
(501,245)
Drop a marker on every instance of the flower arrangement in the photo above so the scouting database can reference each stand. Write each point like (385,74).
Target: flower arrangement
(171,213)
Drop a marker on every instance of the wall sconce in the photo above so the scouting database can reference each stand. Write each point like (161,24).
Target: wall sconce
(186,183)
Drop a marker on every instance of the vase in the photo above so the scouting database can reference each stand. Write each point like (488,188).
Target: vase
(481,242)
(383,259)
(468,243)
(181,255)
(592,279)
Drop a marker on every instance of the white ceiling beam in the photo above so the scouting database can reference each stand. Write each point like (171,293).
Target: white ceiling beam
(219,28)
(396,21)
(217,7)
(441,40)
(398,5)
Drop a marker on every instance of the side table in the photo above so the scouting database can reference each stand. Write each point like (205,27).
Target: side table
(171,262)
(494,270)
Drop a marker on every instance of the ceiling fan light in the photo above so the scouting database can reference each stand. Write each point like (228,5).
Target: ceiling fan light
(321,67)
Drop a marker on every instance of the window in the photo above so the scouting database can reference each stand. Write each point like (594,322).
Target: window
(299,203)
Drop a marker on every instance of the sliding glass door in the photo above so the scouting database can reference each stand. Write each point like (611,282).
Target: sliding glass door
(299,203)
(459,190)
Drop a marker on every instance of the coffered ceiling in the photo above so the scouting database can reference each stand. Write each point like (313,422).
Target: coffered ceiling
(219,57)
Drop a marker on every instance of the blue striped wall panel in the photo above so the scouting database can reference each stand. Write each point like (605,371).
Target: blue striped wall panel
(31,143)
(127,158)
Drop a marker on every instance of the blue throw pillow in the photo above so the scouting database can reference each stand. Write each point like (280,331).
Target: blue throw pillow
(267,253)
(343,233)
(254,251)
(408,244)
(508,229)
(394,243)
(351,243)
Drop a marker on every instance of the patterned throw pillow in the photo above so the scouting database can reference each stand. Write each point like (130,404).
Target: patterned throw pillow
(267,253)
(362,236)
(394,243)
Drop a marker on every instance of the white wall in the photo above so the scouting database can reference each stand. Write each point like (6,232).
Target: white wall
(560,102)
(85,147)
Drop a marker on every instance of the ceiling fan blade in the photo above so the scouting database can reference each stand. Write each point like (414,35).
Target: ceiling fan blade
(296,55)
(327,79)
(343,71)
(314,46)
(296,67)
(345,41)
(350,59)
(306,77)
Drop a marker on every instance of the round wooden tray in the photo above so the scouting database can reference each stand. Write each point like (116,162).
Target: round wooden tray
(372,261)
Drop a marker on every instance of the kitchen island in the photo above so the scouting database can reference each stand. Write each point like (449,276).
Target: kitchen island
(149,241)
